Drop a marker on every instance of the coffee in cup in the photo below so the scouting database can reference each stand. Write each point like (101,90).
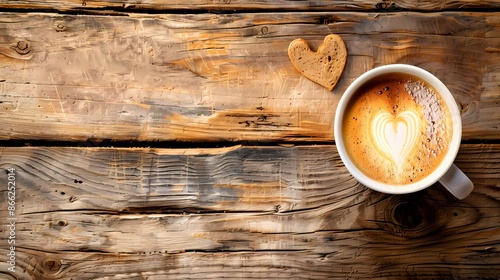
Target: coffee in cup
(398,130)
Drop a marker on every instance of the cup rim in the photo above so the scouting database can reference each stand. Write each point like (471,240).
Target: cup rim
(452,149)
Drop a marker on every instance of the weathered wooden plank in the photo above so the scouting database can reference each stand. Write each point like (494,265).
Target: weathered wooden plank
(241,212)
(259,179)
(206,77)
(254,265)
(178,180)
(237,5)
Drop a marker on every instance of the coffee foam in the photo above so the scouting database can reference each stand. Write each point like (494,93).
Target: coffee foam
(397,130)
(433,110)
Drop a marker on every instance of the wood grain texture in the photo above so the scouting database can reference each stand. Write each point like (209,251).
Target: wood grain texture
(241,212)
(237,5)
(209,77)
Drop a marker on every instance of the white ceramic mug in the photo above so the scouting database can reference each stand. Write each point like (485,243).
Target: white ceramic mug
(446,173)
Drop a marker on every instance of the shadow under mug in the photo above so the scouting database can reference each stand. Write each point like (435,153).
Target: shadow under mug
(452,178)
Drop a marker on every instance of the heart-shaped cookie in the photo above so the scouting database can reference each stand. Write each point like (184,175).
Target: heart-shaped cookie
(324,66)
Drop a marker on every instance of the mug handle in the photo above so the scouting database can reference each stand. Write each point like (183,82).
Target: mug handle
(456,182)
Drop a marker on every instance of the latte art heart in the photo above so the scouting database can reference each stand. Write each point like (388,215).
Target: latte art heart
(395,137)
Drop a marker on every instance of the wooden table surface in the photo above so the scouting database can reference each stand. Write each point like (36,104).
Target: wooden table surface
(161,139)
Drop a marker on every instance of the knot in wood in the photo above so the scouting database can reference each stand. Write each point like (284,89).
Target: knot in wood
(52,266)
(60,27)
(386,5)
(277,208)
(22,47)
(264,32)
(407,215)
